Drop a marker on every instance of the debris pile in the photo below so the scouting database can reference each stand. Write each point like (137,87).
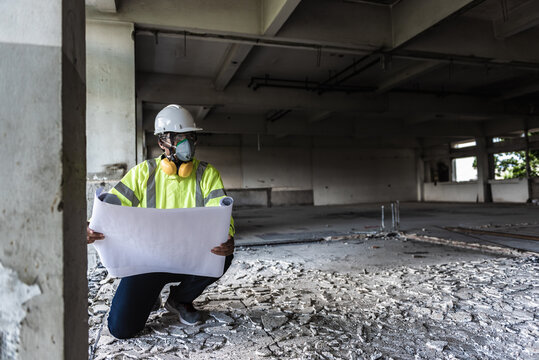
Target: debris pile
(279,309)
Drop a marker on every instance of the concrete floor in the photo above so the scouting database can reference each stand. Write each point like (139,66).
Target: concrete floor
(374,298)
(370,297)
(288,224)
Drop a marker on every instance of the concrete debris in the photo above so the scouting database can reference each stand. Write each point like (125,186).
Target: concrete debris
(222,318)
(272,322)
(268,307)
(13,295)
(437,345)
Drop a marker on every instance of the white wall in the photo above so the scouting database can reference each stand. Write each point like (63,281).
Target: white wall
(450,191)
(284,168)
(512,190)
(111,108)
(227,160)
(336,176)
(348,176)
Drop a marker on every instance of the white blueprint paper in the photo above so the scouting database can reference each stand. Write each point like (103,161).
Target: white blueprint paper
(140,240)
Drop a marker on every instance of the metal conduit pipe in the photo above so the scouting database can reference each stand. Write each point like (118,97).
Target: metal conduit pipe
(268,41)
(258,82)
(339,49)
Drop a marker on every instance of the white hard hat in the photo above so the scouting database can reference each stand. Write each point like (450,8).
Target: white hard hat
(174,118)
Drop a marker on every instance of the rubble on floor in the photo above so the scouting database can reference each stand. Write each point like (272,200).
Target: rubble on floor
(266,307)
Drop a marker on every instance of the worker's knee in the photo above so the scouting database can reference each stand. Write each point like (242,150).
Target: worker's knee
(120,331)
(122,327)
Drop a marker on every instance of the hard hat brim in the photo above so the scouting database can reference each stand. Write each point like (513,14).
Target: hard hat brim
(185,130)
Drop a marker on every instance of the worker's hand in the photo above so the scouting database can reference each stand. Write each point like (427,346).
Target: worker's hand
(226,248)
(92,236)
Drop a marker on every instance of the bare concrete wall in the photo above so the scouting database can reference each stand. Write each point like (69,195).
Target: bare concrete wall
(513,190)
(284,168)
(227,160)
(111,106)
(449,191)
(320,176)
(348,176)
(42,87)
(535,188)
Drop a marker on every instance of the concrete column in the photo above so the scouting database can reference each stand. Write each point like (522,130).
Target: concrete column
(141,137)
(420,175)
(111,106)
(43,283)
(483,171)
(528,168)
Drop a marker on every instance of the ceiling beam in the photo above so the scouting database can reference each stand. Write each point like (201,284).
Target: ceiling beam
(412,17)
(104,6)
(520,91)
(471,49)
(521,18)
(238,16)
(321,116)
(407,74)
(202,112)
(165,88)
(274,15)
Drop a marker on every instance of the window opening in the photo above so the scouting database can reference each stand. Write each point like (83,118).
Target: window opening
(512,165)
(463,144)
(464,169)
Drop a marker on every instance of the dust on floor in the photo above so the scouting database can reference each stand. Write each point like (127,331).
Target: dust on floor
(317,301)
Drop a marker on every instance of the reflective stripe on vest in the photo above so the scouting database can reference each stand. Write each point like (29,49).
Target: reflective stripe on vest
(150,185)
(214,194)
(127,192)
(200,171)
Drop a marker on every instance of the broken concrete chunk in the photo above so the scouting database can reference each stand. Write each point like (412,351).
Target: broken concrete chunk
(263,352)
(99,308)
(461,316)
(271,322)
(222,318)
(437,345)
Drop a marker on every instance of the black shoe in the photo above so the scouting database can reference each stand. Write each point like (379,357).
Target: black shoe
(157,304)
(187,313)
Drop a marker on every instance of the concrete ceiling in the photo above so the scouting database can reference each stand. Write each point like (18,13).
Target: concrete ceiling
(362,68)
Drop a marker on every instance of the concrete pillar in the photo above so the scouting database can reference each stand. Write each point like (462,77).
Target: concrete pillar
(529,177)
(420,175)
(141,137)
(111,107)
(483,171)
(43,283)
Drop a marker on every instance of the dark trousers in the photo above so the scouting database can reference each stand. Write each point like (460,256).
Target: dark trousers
(137,294)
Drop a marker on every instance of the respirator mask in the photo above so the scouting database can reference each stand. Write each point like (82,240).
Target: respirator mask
(182,152)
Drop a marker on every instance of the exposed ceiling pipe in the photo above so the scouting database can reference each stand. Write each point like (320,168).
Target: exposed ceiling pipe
(279,114)
(258,82)
(349,76)
(268,41)
(339,49)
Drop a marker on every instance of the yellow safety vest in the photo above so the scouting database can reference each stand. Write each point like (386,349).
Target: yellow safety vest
(146,185)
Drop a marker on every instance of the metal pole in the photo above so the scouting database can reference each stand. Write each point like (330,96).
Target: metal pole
(382,228)
(392,217)
(398,215)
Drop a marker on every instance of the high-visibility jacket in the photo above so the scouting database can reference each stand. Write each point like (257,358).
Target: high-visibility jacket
(146,185)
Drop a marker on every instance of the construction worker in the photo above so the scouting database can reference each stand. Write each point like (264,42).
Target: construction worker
(174,180)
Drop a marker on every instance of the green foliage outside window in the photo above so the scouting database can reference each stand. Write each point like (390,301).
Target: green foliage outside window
(513,165)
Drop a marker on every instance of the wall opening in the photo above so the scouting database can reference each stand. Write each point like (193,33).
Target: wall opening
(512,165)
(464,169)
(463,144)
